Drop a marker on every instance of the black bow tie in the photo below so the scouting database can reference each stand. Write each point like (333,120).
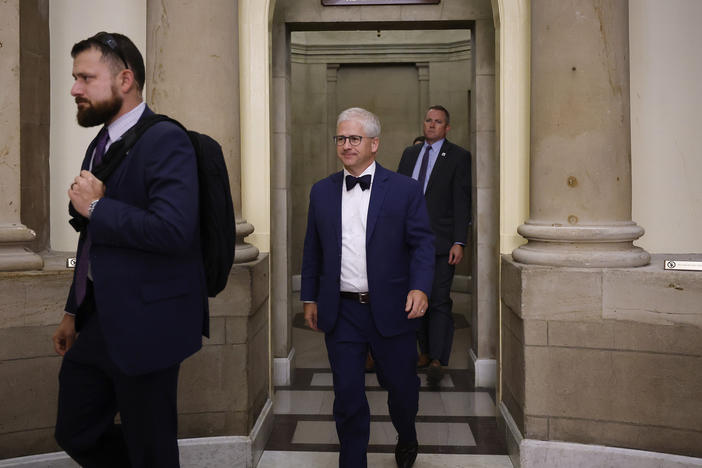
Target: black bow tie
(363,181)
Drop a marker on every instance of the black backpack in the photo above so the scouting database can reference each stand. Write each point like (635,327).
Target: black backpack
(217,223)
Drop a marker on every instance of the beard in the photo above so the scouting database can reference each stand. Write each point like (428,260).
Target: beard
(98,113)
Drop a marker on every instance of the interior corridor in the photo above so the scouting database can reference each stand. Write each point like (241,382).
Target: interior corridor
(456,424)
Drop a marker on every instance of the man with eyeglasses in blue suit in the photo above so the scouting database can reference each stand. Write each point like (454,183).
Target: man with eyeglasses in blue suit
(367,271)
(137,306)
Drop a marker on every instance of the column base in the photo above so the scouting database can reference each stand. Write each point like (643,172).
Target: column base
(13,256)
(244,252)
(581,246)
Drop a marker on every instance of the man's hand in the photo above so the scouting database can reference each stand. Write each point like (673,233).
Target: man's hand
(65,334)
(455,254)
(310,309)
(85,189)
(416,304)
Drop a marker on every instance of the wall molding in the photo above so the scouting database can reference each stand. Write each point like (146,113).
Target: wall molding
(380,53)
(215,452)
(485,371)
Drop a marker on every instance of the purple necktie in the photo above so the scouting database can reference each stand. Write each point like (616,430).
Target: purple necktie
(81,280)
(423,168)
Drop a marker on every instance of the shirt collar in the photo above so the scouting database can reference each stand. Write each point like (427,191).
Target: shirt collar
(435,147)
(119,127)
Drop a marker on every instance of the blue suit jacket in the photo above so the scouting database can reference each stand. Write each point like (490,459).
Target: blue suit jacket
(145,255)
(399,250)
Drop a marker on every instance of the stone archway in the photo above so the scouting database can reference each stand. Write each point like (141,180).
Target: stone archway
(310,15)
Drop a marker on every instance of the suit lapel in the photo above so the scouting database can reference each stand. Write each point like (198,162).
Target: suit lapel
(335,198)
(378,192)
(439,166)
(412,161)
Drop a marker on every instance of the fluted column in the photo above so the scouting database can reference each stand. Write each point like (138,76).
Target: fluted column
(580,187)
(194,78)
(13,234)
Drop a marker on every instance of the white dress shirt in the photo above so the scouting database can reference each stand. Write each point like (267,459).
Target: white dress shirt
(433,154)
(354,214)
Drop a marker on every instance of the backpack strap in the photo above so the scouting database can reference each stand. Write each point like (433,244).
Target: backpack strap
(114,157)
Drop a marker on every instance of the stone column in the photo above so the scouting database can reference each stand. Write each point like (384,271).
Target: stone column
(13,234)
(195,79)
(580,188)
(423,78)
(332,113)
(485,203)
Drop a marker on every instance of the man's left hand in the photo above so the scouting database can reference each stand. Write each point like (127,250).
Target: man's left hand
(417,304)
(85,189)
(455,254)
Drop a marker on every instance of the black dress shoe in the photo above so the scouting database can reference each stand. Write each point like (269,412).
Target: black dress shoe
(434,373)
(406,454)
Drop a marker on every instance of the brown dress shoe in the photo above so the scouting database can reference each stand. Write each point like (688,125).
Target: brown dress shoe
(370,364)
(423,361)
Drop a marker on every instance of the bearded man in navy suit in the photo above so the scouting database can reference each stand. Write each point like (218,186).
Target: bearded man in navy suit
(137,306)
(443,170)
(366,275)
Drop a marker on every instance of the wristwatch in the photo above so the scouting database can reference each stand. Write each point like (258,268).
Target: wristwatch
(92,207)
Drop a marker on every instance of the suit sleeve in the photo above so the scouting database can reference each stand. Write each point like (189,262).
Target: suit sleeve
(169,221)
(403,166)
(420,238)
(311,257)
(462,198)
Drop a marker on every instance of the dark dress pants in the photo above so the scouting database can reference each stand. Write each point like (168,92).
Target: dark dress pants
(92,390)
(395,360)
(435,334)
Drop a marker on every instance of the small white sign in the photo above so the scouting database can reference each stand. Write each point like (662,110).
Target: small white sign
(682,265)
(71,262)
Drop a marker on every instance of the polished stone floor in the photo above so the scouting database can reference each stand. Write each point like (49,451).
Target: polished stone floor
(456,423)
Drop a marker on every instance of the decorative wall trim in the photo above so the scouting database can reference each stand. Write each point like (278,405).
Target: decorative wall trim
(485,371)
(550,454)
(380,53)
(283,369)
(513,436)
(215,452)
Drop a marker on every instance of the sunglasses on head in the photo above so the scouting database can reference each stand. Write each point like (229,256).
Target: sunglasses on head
(108,40)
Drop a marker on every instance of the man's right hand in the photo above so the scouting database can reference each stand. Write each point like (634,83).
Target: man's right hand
(65,334)
(310,309)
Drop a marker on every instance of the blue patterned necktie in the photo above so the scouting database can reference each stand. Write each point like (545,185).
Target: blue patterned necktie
(422,177)
(81,280)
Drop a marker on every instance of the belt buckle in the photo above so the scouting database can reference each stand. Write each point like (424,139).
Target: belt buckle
(364,298)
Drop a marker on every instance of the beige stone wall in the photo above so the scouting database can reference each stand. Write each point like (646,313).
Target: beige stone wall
(222,388)
(604,356)
(666,116)
(320,90)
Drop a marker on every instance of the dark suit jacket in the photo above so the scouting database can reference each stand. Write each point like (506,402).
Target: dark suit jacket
(399,250)
(145,258)
(447,194)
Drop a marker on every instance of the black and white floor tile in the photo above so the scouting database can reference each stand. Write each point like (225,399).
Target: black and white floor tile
(456,424)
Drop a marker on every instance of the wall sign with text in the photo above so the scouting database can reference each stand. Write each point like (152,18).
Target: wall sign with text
(378,2)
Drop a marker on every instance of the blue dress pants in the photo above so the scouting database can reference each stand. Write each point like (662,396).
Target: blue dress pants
(395,360)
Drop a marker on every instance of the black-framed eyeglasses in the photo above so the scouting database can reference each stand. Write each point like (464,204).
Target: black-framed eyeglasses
(108,40)
(354,140)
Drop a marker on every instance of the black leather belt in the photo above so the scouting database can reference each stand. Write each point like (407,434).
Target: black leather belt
(362,297)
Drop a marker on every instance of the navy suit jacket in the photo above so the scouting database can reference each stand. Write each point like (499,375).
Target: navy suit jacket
(399,250)
(145,258)
(447,194)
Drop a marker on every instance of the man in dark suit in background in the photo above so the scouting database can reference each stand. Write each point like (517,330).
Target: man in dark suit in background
(138,297)
(443,170)
(366,275)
